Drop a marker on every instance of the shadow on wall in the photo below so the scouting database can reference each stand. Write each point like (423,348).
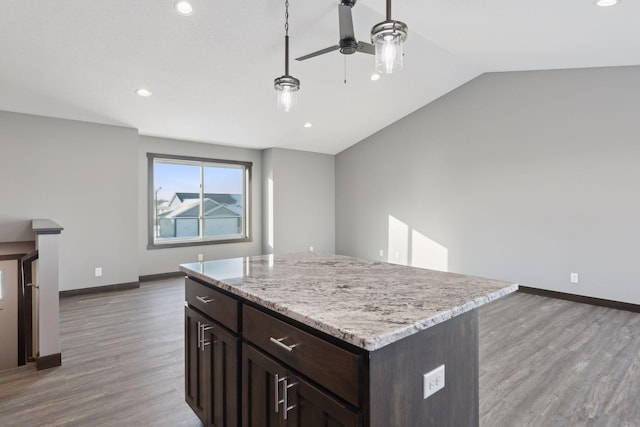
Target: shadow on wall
(408,246)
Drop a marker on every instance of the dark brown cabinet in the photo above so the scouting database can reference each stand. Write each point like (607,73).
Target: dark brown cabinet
(247,365)
(274,396)
(267,381)
(195,379)
(211,370)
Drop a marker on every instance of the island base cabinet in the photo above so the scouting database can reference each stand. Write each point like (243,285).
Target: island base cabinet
(275,397)
(211,371)
(397,384)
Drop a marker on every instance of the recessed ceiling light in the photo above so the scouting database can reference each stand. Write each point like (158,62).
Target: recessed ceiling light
(184,7)
(607,3)
(375,76)
(144,92)
(308,125)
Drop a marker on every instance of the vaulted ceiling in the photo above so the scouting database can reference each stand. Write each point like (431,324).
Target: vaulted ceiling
(212,73)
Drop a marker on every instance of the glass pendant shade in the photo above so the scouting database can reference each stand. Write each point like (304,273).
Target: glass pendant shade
(287,87)
(388,38)
(287,92)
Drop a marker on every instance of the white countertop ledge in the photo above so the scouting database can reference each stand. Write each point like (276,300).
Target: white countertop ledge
(366,303)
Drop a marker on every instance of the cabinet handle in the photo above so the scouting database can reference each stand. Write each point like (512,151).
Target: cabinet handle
(202,340)
(276,386)
(205,299)
(286,406)
(280,344)
(199,334)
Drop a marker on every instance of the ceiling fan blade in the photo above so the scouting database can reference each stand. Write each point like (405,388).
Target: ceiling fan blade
(319,52)
(366,48)
(346,22)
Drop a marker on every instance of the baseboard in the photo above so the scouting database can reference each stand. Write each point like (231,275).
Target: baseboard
(99,289)
(583,299)
(48,361)
(161,276)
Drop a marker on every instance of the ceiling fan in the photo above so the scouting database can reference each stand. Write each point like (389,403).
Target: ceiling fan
(348,44)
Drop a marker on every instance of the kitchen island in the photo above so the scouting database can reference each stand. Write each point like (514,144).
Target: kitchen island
(318,339)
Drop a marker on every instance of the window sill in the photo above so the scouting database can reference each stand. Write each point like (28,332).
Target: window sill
(197,243)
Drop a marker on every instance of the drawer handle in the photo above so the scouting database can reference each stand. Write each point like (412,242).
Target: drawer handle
(280,344)
(205,299)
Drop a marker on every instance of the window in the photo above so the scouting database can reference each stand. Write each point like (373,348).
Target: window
(194,201)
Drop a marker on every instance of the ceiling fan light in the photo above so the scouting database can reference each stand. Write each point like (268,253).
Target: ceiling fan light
(388,38)
(287,88)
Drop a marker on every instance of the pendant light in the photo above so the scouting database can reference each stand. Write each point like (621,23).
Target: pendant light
(286,86)
(388,37)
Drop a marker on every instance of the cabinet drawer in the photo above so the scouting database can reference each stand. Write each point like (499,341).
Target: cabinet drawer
(328,365)
(214,304)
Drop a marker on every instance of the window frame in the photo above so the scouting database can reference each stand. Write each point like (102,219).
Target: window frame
(197,241)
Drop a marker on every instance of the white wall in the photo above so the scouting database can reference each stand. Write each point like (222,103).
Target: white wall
(303,205)
(81,175)
(166,260)
(524,176)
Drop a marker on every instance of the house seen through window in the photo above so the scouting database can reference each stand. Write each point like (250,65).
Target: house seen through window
(197,201)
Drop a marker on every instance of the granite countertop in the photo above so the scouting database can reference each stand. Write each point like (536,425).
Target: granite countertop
(366,303)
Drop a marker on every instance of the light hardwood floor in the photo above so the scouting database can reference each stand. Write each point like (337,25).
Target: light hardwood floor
(543,362)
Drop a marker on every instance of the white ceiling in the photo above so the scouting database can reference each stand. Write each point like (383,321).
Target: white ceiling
(212,73)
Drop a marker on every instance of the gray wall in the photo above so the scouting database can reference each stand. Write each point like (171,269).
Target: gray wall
(303,202)
(81,175)
(17,248)
(154,261)
(524,176)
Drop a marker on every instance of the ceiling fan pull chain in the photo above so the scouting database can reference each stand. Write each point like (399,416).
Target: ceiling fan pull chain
(345,70)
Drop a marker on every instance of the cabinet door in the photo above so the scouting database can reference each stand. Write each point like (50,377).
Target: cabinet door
(221,355)
(196,388)
(272,397)
(311,407)
(262,380)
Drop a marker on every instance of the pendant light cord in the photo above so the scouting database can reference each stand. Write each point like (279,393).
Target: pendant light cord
(286,37)
(286,18)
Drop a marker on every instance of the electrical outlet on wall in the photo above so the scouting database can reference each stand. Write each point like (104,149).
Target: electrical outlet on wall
(200,257)
(381,252)
(98,271)
(433,381)
(574,278)
(310,248)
